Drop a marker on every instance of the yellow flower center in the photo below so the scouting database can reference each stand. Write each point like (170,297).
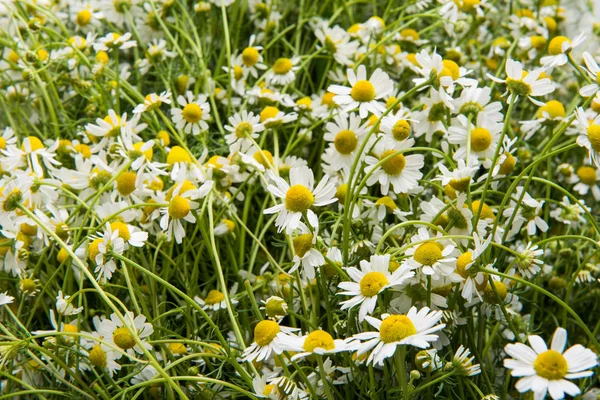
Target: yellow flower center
(593,132)
(93,249)
(298,198)
(123,338)
(34,143)
(401,130)
(302,244)
(102,57)
(116,129)
(123,230)
(179,207)
(138,148)
(409,33)
(462,262)
(268,113)
(537,42)
(428,253)
(305,103)
(388,203)
(243,130)
(282,66)
(318,339)
(97,356)
(551,365)
(265,331)
(177,348)
(469,5)
(264,158)
(192,113)
(486,211)
(555,45)
(178,154)
(395,164)
(250,56)
(396,328)
(62,255)
(460,185)
(214,297)
(340,193)
(345,141)
(126,183)
(453,68)
(83,17)
(508,165)
(238,72)
(481,139)
(28,285)
(501,291)
(587,175)
(163,136)
(363,91)
(372,283)
(327,99)
(554,108)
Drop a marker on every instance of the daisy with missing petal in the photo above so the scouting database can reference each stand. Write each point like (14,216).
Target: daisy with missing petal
(299,196)
(542,370)
(559,49)
(413,329)
(345,135)
(593,70)
(589,135)
(317,342)
(243,128)
(372,278)
(269,338)
(400,171)
(194,114)
(366,95)
(523,83)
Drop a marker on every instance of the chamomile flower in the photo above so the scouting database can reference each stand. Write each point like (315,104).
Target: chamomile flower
(345,134)
(5,299)
(244,128)
(544,370)
(269,338)
(372,278)
(121,332)
(593,70)
(100,249)
(215,299)
(523,83)
(64,306)
(306,254)
(252,59)
(316,342)
(194,114)
(415,328)
(473,280)
(431,256)
(559,50)
(366,95)
(283,71)
(299,196)
(153,101)
(589,135)
(400,171)
(477,141)
(115,41)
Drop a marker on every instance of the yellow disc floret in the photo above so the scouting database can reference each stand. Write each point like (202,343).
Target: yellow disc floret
(123,338)
(551,365)
(298,198)
(192,113)
(372,283)
(179,207)
(481,139)
(345,141)
(363,91)
(265,331)
(318,339)
(396,328)
(282,66)
(214,297)
(555,46)
(428,253)
(395,164)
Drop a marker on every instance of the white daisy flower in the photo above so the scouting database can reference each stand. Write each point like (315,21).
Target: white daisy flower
(316,342)
(558,50)
(413,329)
(269,338)
(283,71)
(215,299)
(194,114)
(120,333)
(366,95)
(523,83)
(64,306)
(400,171)
(593,70)
(372,278)
(307,255)
(589,135)
(542,370)
(431,256)
(477,141)
(299,195)
(473,280)
(153,101)
(588,181)
(243,127)
(345,135)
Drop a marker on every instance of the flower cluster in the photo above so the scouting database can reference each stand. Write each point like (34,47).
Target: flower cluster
(246,198)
